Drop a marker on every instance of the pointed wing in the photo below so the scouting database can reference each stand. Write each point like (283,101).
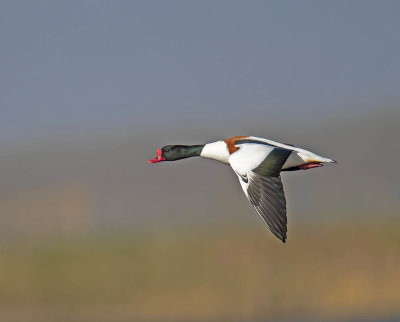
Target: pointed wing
(267,197)
(263,186)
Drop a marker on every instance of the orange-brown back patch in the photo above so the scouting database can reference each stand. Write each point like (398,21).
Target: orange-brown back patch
(231,142)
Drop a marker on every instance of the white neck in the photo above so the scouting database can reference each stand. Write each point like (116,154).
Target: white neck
(216,151)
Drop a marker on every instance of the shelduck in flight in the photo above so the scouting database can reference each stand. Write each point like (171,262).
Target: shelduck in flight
(257,162)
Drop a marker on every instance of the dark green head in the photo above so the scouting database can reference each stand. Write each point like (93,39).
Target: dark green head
(177,152)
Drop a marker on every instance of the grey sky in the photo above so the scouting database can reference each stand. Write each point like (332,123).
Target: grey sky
(81,66)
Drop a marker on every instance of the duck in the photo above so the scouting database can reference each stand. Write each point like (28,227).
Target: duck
(258,163)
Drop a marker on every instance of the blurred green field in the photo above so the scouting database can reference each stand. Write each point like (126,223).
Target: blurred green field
(323,272)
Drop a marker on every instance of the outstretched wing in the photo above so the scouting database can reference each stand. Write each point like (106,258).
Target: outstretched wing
(262,184)
(267,197)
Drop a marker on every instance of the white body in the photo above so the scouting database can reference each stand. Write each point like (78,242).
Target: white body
(250,155)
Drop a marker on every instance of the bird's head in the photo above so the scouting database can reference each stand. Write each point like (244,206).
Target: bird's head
(176,152)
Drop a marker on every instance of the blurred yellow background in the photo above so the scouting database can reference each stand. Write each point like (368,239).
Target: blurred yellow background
(230,274)
(93,232)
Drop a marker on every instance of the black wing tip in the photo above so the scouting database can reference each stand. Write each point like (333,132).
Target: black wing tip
(281,236)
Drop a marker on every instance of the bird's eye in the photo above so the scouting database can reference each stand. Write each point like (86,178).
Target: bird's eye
(166,150)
